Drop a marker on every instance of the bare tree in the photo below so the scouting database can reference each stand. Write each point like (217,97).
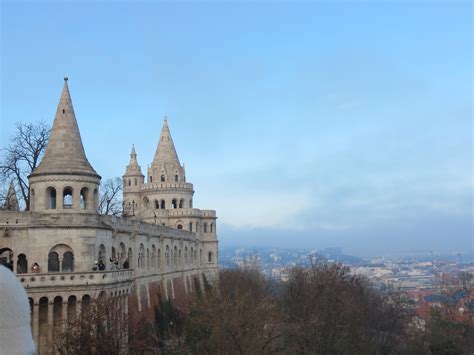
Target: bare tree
(110,200)
(23,155)
(100,328)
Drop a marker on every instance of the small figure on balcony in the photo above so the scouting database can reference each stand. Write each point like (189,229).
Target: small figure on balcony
(35,268)
(101,265)
(126,265)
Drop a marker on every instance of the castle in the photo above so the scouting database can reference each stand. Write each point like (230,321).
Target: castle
(160,246)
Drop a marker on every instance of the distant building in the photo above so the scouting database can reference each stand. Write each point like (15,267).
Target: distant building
(162,245)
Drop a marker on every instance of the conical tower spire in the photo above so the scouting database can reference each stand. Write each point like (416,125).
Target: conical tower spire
(133,168)
(11,200)
(65,152)
(165,152)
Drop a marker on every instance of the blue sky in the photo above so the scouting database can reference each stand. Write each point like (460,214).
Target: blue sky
(309,124)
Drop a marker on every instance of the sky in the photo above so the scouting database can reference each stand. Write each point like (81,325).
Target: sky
(304,124)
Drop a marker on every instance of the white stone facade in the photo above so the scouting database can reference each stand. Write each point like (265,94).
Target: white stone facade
(165,241)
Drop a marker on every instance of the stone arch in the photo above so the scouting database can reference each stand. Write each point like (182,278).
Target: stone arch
(22,264)
(71,307)
(51,198)
(57,314)
(168,256)
(141,255)
(85,303)
(122,253)
(68,200)
(147,259)
(175,257)
(102,254)
(181,203)
(53,262)
(153,256)
(84,196)
(174,203)
(179,224)
(6,257)
(157,205)
(57,256)
(130,258)
(43,324)
(162,204)
(68,262)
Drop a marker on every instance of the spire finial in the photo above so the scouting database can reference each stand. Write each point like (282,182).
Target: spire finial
(66,78)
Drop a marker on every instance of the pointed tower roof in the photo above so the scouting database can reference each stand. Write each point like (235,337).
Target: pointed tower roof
(133,168)
(65,152)
(11,202)
(165,152)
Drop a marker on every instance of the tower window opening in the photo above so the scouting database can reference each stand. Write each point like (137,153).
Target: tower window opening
(51,198)
(67,198)
(129,183)
(162,204)
(205,227)
(176,178)
(162,178)
(83,197)
(209,257)
(64,111)
(190,226)
(135,181)
(180,226)
(174,203)
(181,203)
(157,204)
(151,178)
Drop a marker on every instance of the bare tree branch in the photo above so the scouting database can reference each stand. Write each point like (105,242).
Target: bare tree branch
(22,156)
(110,200)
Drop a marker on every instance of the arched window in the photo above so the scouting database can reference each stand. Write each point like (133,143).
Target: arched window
(67,197)
(167,256)
(162,178)
(135,181)
(162,204)
(32,200)
(141,256)
(191,255)
(151,178)
(68,262)
(157,204)
(53,262)
(209,257)
(180,260)
(83,202)
(147,259)
(205,227)
(200,256)
(180,226)
(190,226)
(51,198)
(181,203)
(102,257)
(22,264)
(174,203)
(186,256)
(176,178)
(212,225)
(130,257)
(129,182)
(175,257)
(153,256)
(159,258)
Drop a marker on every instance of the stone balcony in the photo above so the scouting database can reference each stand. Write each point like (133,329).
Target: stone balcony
(75,279)
(180,212)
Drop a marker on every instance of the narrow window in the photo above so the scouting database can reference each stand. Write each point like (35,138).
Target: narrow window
(209,256)
(67,198)
(190,226)
(162,204)
(135,181)
(53,262)
(129,183)
(176,178)
(51,194)
(68,262)
(174,203)
(162,178)
(151,178)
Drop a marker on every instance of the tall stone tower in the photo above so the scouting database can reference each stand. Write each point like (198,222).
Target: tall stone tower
(133,180)
(64,181)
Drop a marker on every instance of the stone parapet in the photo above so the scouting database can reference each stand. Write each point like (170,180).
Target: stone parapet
(180,212)
(164,185)
(72,279)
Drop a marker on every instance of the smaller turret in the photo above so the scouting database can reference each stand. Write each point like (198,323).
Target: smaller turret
(133,179)
(11,200)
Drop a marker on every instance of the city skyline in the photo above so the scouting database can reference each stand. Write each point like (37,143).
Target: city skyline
(298,129)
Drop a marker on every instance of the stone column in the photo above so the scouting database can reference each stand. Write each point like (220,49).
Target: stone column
(50,322)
